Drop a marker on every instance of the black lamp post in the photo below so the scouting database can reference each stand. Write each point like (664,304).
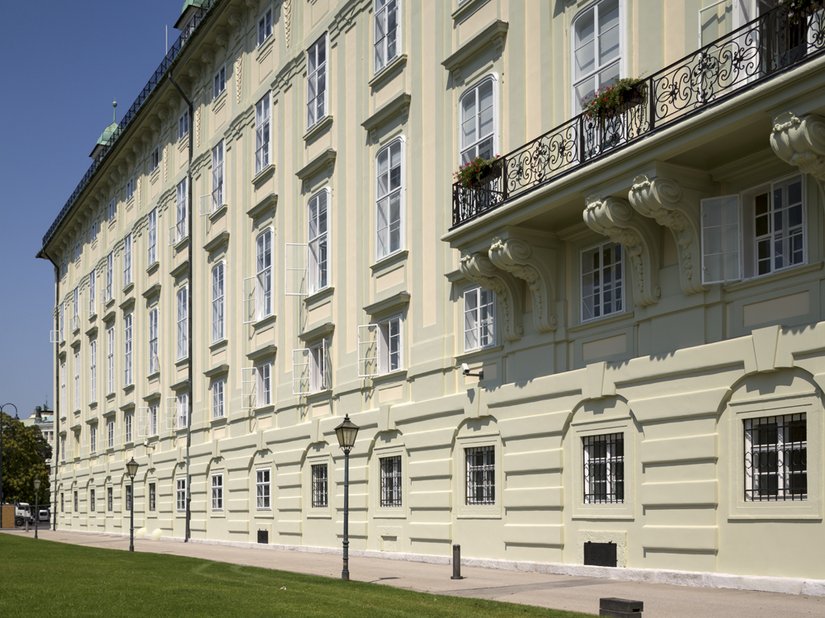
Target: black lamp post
(131,469)
(2,495)
(36,505)
(346,433)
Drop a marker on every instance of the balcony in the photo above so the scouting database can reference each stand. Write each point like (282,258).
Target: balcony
(762,49)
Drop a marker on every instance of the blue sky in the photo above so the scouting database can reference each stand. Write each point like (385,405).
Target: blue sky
(64,63)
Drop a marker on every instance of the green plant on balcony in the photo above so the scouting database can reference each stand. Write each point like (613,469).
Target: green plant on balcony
(799,10)
(616,98)
(475,172)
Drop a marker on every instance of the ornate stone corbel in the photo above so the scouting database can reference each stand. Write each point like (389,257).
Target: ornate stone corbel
(478,268)
(665,201)
(801,143)
(614,218)
(533,265)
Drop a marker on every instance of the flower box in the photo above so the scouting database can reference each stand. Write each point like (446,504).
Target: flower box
(477,172)
(616,98)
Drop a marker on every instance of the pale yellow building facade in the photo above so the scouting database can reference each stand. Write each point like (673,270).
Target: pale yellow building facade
(274,237)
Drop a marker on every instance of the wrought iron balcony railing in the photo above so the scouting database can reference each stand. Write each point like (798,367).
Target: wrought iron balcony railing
(771,44)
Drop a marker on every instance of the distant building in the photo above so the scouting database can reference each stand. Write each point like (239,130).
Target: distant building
(43,419)
(273,237)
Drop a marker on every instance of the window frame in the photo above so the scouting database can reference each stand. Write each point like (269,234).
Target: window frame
(317,71)
(183,125)
(391,482)
(319,485)
(263,489)
(473,149)
(263,384)
(182,296)
(219,82)
(613,477)
(152,493)
(383,201)
(110,498)
(219,301)
(618,60)
(264,274)
(382,15)
(778,464)
(217,491)
(181,410)
(128,373)
(263,133)
(218,175)
(264,30)
(181,227)
(318,241)
(110,358)
(154,359)
(480,323)
(485,473)
(152,244)
(622,300)
(217,391)
(181,494)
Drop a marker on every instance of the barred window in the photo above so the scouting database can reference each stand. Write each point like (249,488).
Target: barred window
(603,468)
(128,497)
(481,475)
(776,453)
(152,497)
(319,486)
(390,481)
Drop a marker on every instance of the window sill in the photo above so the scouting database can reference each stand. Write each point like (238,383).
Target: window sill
(387,263)
(218,345)
(266,203)
(388,71)
(311,515)
(467,8)
(219,100)
(263,408)
(613,318)
(391,376)
(218,421)
(321,126)
(110,396)
(181,362)
(393,512)
(315,298)
(264,46)
(153,267)
(478,353)
(218,212)
(318,396)
(128,388)
(263,322)
(180,243)
(786,273)
(92,316)
(153,376)
(264,174)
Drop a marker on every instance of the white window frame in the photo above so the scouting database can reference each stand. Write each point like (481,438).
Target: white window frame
(381,346)
(217,389)
(387,31)
(75,309)
(767,460)
(93,293)
(110,359)
(263,384)
(479,319)
(217,491)
(389,190)
(318,249)
(263,489)
(311,371)
(93,370)
(154,364)
(130,189)
(127,260)
(128,376)
(152,419)
(480,478)
(219,82)
(154,159)
(181,494)
(598,68)
(152,248)
(264,274)
(110,499)
(128,427)
(182,296)
(180,230)
(110,433)
(77,378)
(182,409)
(183,125)
(218,176)
(391,482)
(265,27)
(110,275)
(153,496)
(218,301)
(603,469)
(478,145)
(319,485)
(93,439)
(317,81)
(601,308)
(111,209)
(263,133)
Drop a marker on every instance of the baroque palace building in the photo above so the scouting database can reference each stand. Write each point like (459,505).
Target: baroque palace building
(601,343)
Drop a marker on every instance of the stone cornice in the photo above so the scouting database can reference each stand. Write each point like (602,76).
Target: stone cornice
(478,268)
(493,35)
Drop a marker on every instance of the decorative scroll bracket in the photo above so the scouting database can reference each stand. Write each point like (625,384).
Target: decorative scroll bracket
(801,143)
(478,269)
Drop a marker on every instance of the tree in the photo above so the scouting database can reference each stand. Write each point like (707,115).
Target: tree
(25,452)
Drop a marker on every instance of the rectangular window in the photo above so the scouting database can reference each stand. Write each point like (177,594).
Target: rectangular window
(776,458)
(217,176)
(603,468)
(217,492)
(152,249)
(478,137)
(387,35)
(481,475)
(110,499)
(183,125)
(778,227)
(154,159)
(183,322)
(263,384)
(92,439)
(219,82)
(180,494)
(110,275)
(319,486)
(154,363)
(127,350)
(479,318)
(110,359)
(182,406)
(152,497)
(111,210)
(388,192)
(262,134)
(128,489)
(264,27)
(110,433)
(76,501)
(92,370)
(62,449)
(319,367)
(263,268)
(217,388)
(602,281)
(152,420)
(181,210)
(218,302)
(262,489)
(127,260)
(127,423)
(130,189)
(77,379)
(316,81)
(75,309)
(92,500)
(390,481)
(317,241)
(92,292)
(596,50)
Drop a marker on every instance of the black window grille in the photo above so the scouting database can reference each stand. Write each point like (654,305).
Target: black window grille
(152,496)
(603,468)
(391,481)
(776,453)
(319,485)
(481,475)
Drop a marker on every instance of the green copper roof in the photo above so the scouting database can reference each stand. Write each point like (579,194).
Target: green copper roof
(198,4)
(107,133)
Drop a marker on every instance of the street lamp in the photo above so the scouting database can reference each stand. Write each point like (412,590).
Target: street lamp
(346,433)
(131,469)
(36,505)
(2,495)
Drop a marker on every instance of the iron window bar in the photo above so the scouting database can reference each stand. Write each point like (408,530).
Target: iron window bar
(776,452)
(603,468)
(481,475)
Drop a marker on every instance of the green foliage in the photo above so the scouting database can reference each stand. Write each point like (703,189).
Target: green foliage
(25,452)
(614,98)
(85,581)
(474,171)
(801,9)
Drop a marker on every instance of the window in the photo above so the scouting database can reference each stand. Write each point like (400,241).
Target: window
(181,211)
(603,468)
(316,81)
(262,489)
(92,439)
(180,494)
(75,309)
(62,449)
(92,292)
(379,347)
(479,318)
(130,188)
(388,193)
(311,369)
(319,366)
(127,350)
(154,159)
(217,388)
(61,502)
(152,497)
(263,269)
(92,500)
(218,302)
(154,364)
(183,125)
(152,420)
(110,500)
(111,210)
(128,417)
(478,121)
(776,451)
(110,359)
(110,433)
(61,321)
(182,406)
(596,50)
(219,82)
(217,492)
(772,221)
(183,322)
(317,241)
(481,475)
(262,137)
(110,270)
(92,370)
(387,34)
(152,249)
(264,27)
(263,384)
(390,481)
(602,272)
(77,379)
(76,501)
(128,497)
(217,176)
(319,486)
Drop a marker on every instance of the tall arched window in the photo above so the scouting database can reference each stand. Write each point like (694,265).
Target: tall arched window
(597,50)
(478,121)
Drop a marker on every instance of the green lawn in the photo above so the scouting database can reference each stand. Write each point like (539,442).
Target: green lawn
(43,578)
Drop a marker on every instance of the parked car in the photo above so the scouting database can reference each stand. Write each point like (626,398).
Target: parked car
(44,515)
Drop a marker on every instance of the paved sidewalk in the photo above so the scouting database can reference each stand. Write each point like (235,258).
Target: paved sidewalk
(555,591)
